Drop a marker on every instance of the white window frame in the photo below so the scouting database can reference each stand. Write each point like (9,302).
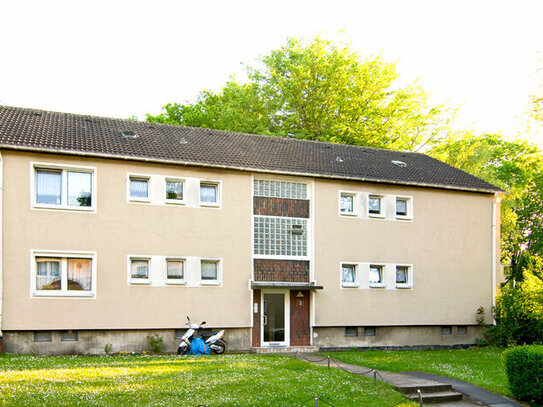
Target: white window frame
(137,281)
(382,213)
(354,195)
(409,203)
(175,201)
(217,261)
(356,282)
(34,166)
(217,185)
(174,281)
(382,284)
(63,256)
(129,196)
(409,283)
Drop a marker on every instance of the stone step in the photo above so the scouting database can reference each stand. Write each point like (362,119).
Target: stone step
(437,397)
(285,349)
(423,387)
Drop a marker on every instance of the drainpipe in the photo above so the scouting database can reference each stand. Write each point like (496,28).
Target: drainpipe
(495,229)
(1,246)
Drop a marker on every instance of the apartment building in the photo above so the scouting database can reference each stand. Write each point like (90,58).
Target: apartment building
(112,230)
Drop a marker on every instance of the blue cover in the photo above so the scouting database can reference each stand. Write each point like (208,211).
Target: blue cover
(198,347)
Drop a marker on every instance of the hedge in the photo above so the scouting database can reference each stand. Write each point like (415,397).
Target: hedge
(524,367)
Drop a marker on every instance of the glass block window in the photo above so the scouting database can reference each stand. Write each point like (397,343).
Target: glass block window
(280,189)
(280,236)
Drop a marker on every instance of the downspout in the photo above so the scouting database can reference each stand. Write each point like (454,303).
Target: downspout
(1,246)
(494,236)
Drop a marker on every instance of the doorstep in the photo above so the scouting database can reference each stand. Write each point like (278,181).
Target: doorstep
(285,349)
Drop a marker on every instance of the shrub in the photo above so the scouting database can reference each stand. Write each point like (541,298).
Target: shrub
(156,342)
(524,367)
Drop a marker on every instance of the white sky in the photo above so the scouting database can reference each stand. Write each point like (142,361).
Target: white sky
(122,58)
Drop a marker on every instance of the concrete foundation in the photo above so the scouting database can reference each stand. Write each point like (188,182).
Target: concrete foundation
(397,336)
(94,342)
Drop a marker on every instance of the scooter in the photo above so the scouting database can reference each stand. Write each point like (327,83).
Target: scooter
(215,340)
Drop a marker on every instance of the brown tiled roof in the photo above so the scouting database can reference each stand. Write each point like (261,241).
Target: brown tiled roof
(97,136)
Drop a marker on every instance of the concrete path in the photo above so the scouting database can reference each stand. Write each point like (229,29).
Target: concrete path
(475,395)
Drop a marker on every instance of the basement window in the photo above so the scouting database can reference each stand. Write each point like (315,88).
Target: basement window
(351,331)
(461,330)
(68,336)
(369,331)
(43,336)
(446,330)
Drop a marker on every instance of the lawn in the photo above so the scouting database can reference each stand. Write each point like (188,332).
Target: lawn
(481,366)
(227,380)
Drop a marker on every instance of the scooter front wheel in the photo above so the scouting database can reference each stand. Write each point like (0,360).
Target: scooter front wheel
(183,350)
(219,347)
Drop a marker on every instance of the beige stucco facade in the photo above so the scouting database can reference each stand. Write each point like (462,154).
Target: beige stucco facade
(447,242)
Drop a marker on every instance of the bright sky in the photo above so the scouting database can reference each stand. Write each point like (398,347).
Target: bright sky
(122,58)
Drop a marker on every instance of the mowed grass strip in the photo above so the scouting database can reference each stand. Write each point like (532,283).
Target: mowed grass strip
(480,366)
(227,380)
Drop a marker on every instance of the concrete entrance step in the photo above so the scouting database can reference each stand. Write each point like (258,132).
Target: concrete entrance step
(285,349)
(437,397)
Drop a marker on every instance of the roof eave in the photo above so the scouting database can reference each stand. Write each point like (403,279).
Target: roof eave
(248,169)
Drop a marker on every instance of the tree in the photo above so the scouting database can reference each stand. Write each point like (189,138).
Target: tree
(516,167)
(319,90)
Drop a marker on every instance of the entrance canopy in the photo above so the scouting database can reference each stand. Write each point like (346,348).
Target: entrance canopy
(281,284)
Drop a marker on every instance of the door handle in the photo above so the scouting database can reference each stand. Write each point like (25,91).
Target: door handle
(264,320)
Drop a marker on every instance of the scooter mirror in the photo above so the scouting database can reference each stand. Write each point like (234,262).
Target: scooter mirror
(203,322)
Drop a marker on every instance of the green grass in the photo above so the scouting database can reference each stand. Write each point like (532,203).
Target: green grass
(228,380)
(481,366)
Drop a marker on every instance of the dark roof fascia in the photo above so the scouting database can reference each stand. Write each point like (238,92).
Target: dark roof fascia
(247,169)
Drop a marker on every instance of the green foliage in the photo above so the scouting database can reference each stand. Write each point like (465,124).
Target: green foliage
(519,311)
(480,316)
(156,342)
(318,90)
(524,367)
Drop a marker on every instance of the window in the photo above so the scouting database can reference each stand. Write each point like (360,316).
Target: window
(139,188)
(209,194)
(209,271)
(348,275)
(68,336)
(375,206)
(351,331)
(369,331)
(461,330)
(63,274)
(139,269)
(403,278)
(174,191)
(376,276)
(63,188)
(175,270)
(347,203)
(43,336)
(446,330)
(404,207)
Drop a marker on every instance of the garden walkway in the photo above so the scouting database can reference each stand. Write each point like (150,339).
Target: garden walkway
(436,390)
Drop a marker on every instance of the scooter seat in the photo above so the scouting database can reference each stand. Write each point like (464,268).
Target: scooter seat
(207,335)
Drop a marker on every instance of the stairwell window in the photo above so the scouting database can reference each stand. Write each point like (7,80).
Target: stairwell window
(63,274)
(57,187)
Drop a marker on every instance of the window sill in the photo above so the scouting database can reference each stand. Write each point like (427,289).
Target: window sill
(210,282)
(348,214)
(210,204)
(139,200)
(63,294)
(404,286)
(346,285)
(176,282)
(175,202)
(401,217)
(64,208)
(377,285)
(376,215)
(143,281)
